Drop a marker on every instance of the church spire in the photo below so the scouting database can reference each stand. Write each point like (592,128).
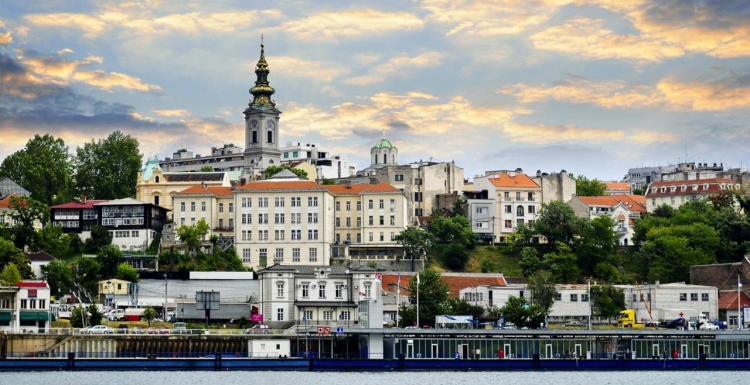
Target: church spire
(262,91)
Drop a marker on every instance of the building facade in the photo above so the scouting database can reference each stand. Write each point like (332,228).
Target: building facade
(624,210)
(132,224)
(76,217)
(213,204)
(518,200)
(676,193)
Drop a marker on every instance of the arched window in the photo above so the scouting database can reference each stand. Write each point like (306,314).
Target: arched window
(385,158)
(157,179)
(519,211)
(376,159)
(270,136)
(255,136)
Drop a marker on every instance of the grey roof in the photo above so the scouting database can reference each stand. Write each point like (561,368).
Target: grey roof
(122,202)
(304,269)
(285,174)
(40,256)
(192,176)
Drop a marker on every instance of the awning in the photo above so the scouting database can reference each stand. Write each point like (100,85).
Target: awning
(34,316)
(5,316)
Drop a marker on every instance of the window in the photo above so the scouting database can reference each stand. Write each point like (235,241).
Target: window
(312,201)
(338,206)
(518,195)
(370,220)
(312,217)
(278,255)
(359,206)
(296,218)
(506,195)
(417,197)
(508,223)
(558,296)
(482,210)
(584,297)
(262,202)
(393,220)
(683,296)
(262,253)
(203,206)
(247,235)
(295,254)
(305,290)
(221,222)
(399,178)
(359,238)
(531,196)
(348,222)
(531,209)
(382,220)
(393,236)
(279,235)
(381,204)
(278,218)
(327,315)
(369,204)
(278,202)
(321,289)
(296,235)
(693,296)
(574,298)
(279,311)
(348,206)
(221,207)
(246,219)
(371,238)
(296,202)
(269,139)
(507,209)
(231,207)
(368,290)
(339,290)
(263,219)
(359,221)
(312,234)
(313,254)
(192,206)
(337,222)
(24,304)
(519,211)
(182,206)
(280,289)
(704,296)
(307,315)
(382,236)
(134,234)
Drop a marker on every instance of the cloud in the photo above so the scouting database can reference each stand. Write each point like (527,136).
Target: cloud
(587,38)
(90,25)
(490,17)
(546,134)
(578,90)
(350,23)
(57,69)
(295,67)
(400,65)
(6,38)
(172,113)
(717,93)
(64,51)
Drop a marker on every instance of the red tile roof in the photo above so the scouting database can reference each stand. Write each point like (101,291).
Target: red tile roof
(618,186)
(32,284)
(600,201)
(338,189)
(209,190)
(713,187)
(515,181)
(89,204)
(5,202)
(288,185)
(637,203)
(456,283)
(728,300)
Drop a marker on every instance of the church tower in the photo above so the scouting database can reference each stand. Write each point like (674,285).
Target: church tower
(383,153)
(261,123)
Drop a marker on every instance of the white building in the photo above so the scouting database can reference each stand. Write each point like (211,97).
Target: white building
(327,166)
(132,224)
(39,259)
(33,304)
(672,296)
(517,198)
(624,209)
(676,193)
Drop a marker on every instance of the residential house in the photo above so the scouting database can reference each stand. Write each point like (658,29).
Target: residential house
(518,200)
(33,304)
(615,188)
(308,295)
(133,224)
(9,321)
(676,193)
(213,204)
(624,209)
(110,288)
(6,212)
(481,210)
(77,217)
(556,186)
(39,259)
(729,307)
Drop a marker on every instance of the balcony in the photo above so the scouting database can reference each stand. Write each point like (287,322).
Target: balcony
(223,229)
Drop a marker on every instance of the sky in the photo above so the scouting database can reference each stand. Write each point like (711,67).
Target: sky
(590,86)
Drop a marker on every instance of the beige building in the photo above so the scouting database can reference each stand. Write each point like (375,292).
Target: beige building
(624,209)
(676,193)
(155,186)
(213,204)
(113,286)
(367,218)
(517,198)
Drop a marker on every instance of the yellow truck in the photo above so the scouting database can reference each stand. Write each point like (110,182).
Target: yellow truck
(627,319)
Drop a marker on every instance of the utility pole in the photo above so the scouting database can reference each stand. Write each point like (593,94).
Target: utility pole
(417,300)
(166,286)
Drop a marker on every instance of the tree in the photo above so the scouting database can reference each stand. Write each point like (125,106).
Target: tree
(149,314)
(608,300)
(126,272)
(327,182)
(206,169)
(95,316)
(273,170)
(53,240)
(99,239)
(433,292)
(563,264)
(519,312)
(453,255)
(486,265)
(542,286)
(416,241)
(193,235)
(88,273)
(108,168)
(26,212)
(82,317)
(43,167)
(557,222)
(10,275)
(455,229)
(589,188)
(597,243)
(10,254)
(59,277)
(109,259)
(530,261)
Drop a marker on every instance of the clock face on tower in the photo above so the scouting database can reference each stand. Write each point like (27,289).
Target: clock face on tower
(254,123)
(269,124)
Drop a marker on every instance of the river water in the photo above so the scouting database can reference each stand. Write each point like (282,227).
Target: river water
(373,378)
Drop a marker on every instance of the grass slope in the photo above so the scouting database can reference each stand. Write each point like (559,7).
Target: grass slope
(506,264)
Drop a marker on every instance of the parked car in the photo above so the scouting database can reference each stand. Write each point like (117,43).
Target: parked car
(709,326)
(163,330)
(153,330)
(122,329)
(137,330)
(258,329)
(100,329)
(179,328)
(575,324)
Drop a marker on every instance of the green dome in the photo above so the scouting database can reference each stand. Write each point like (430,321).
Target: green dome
(383,143)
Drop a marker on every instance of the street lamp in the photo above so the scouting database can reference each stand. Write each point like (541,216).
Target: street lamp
(109,286)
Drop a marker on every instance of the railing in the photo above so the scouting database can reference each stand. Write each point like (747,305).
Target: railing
(145,331)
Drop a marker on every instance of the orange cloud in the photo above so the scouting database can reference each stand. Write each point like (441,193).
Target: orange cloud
(172,113)
(331,25)
(697,96)
(294,67)
(400,65)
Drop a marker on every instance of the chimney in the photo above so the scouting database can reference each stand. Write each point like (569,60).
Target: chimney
(243,181)
(538,173)
(83,199)
(373,180)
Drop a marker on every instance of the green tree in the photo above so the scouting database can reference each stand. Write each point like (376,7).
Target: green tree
(193,235)
(87,273)
(110,259)
(589,188)
(433,292)
(26,212)
(95,316)
(43,167)
(10,275)
(542,286)
(460,306)
(149,314)
(99,239)
(530,261)
(10,254)
(206,169)
(326,182)
(59,277)
(108,168)
(639,191)
(453,255)
(608,300)
(127,272)
(455,229)
(486,265)
(558,223)
(563,264)
(518,311)
(597,243)
(273,170)
(53,240)
(416,242)
(79,318)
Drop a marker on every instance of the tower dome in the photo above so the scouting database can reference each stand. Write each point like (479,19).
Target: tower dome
(383,153)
